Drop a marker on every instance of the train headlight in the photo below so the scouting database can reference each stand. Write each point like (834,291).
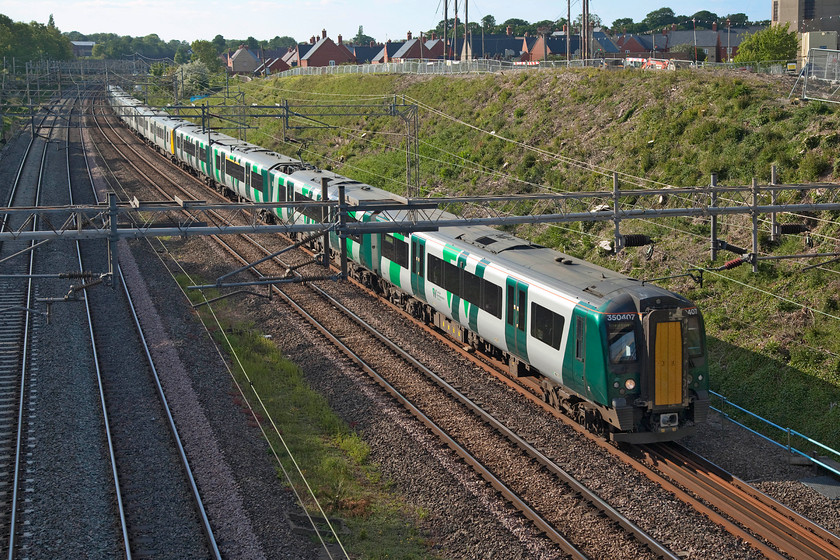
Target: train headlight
(630,384)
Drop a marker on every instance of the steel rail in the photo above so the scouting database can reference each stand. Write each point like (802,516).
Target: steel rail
(99,380)
(785,529)
(450,442)
(199,503)
(24,356)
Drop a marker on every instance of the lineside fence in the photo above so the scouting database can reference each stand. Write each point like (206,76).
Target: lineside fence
(742,417)
(443,67)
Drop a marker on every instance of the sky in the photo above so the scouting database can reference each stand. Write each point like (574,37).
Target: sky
(189,20)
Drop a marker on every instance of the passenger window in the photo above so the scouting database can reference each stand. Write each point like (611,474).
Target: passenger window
(621,338)
(546,325)
(580,335)
(693,338)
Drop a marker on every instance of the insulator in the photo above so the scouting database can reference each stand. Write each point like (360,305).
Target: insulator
(636,240)
(793,228)
(733,264)
(724,246)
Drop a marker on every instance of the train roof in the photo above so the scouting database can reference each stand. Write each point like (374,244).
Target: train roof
(253,153)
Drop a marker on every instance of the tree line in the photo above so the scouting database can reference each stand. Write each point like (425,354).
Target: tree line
(32,41)
(655,21)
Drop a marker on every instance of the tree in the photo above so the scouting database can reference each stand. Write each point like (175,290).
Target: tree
(488,22)
(205,52)
(220,43)
(704,19)
(193,78)
(738,20)
(281,42)
(776,42)
(658,19)
(181,55)
(624,25)
(361,38)
(594,20)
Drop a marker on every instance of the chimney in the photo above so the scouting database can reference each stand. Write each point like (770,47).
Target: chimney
(526,34)
(565,29)
(339,39)
(373,43)
(508,30)
(408,36)
(323,34)
(714,26)
(434,36)
(673,27)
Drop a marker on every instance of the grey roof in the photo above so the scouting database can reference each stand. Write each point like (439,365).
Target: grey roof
(83,43)
(703,38)
(401,52)
(365,53)
(648,41)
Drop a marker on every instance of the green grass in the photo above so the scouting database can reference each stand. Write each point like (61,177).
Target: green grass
(335,459)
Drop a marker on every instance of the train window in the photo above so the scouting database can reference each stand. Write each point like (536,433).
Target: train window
(311,212)
(693,338)
(256,180)
(189,147)
(491,298)
(435,270)
(621,337)
(179,141)
(395,249)
(235,170)
(472,287)
(521,319)
(511,305)
(451,278)
(580,337)
(202,153)
(546,325)
(417,264)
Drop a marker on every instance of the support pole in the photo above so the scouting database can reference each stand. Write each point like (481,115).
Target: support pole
(619,241)
(713,204)
(342,231)
(774,227)
(325,218)
(755,224)
(113,262)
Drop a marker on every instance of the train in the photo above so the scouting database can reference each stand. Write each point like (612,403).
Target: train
(627,359)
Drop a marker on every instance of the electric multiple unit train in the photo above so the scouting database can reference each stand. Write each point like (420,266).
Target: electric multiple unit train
(625,358)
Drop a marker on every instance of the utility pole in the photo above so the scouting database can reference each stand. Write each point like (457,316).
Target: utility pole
(467,36)
(455,33)
(445,29)
(568,32)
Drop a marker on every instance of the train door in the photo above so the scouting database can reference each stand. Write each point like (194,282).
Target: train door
(577,344)
(418,267)
(664,377)
(516,326)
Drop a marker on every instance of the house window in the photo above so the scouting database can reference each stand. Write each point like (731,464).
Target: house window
(808,9)
(332,62)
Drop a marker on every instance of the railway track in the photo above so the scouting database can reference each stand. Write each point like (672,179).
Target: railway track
(765,541)
(138,475)
(341,329)
(16,341)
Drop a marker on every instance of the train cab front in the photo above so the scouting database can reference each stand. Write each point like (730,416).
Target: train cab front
(659,356)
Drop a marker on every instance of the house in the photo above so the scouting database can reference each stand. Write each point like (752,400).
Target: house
(631,44)
(539,48)
(364,54)
(496,46)
(386,53)
(417,49)
(243,61)
(82,48)
(705,40)
(270,66)
(326,52)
